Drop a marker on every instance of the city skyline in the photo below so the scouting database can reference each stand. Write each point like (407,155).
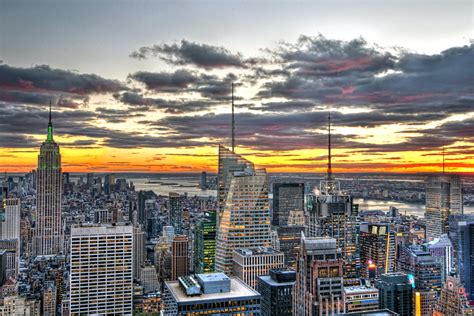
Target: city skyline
(160,101)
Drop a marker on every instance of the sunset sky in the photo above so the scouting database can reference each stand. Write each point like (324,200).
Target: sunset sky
(145,85)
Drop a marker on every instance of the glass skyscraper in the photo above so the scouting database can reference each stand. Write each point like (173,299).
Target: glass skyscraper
(244,215)
(443,198)
(205,243)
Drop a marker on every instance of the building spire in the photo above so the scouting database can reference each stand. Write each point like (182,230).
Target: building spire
(329,146)
(233,120)
(50,125)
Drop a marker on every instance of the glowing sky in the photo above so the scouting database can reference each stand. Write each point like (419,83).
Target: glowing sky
(145,85)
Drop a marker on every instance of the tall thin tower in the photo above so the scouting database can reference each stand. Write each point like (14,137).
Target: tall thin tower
(233,120)
(48,233)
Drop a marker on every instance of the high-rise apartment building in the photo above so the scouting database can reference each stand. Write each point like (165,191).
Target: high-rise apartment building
(396,293)
(179,257)
(377,246)
(287,197)
(205,243)
(443,197)
(101,279)
(319,278)
(244,215)
(276,290)
(48,233)
(452,300)
(250,263)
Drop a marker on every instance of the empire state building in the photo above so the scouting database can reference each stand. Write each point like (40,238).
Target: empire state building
(48,235)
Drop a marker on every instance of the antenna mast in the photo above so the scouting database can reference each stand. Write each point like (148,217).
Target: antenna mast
(443,159)
(233,120)
(329,146)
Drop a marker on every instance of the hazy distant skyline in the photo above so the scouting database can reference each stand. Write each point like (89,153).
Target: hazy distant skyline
(144,85)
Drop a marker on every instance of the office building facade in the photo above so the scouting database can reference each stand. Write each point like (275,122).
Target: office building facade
(319,278)
(443,197)
(205,243)
(179,257)
(277,292)
(244,219)
(377,246)
(287,197)
(101,279)
(250,263)
(395,293)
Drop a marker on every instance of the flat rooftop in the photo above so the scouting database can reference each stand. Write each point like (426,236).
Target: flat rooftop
(272,282)
(238,290)
(212,277)
(359,289)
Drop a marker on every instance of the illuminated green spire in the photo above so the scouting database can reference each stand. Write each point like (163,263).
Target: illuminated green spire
(50,126)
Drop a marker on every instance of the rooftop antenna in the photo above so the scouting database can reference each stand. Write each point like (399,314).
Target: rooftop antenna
(329,146)
(233,120)
(443,158)
(50,125)
(49,122)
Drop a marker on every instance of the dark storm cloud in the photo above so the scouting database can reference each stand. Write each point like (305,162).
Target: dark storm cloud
(116,115)
(182,81)
(354,74)
(43,77)
(169,106)
(164,81)
(20,121)
(319,56)
(190,53)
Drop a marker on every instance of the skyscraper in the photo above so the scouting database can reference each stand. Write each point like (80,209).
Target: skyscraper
(287,197)
(452,300)
(139,250)
(244,211)
(203,180)
(175,209)
(377,246)
(179,257)
(455,234)
(332,214)
(48,232)
(101,279)
(443,198)
(250,263)
(466,249)
(10,223)
(276,290)
(395,293)
(205,243)
(426,274)
(441,249)
(319,278)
